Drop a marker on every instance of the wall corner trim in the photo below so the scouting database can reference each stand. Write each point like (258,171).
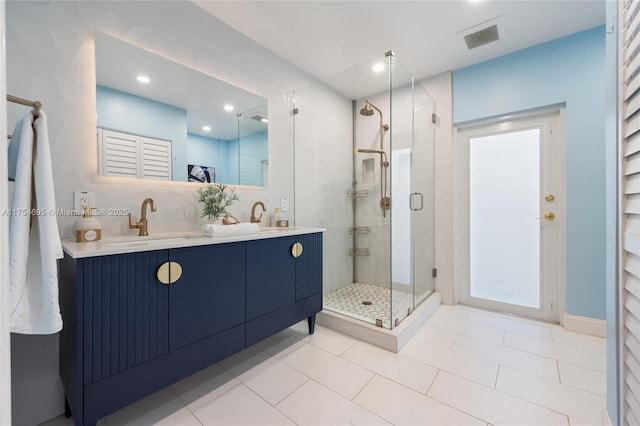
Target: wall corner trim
(586,325)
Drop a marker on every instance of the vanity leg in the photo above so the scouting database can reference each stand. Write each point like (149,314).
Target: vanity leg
(312,323)
(67,408)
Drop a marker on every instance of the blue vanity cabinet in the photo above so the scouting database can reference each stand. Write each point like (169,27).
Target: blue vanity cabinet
(131,329)
(127,335)
(283,286)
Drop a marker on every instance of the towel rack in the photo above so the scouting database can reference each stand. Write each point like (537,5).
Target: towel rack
(37,105)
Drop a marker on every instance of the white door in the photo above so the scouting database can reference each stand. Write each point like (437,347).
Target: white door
(510,214)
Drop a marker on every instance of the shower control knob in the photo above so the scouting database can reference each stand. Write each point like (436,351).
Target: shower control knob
(385,203)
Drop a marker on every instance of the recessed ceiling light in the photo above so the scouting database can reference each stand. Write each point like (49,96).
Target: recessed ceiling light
(143,79)
(379,67)
(228,107)
(206,128)
(264,120)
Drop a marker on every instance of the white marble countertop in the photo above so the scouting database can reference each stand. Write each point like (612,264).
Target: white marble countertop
(131,244)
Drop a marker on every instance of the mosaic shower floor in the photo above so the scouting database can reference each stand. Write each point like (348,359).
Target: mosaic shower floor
(352,300)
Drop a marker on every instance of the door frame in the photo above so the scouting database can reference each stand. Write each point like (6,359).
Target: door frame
(461,202)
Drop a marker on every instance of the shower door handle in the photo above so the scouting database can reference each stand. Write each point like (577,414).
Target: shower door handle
(412,203)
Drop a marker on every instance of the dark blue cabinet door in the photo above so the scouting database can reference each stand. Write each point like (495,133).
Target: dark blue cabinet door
(271,275)
(209,296)
(309,266)
(125,312)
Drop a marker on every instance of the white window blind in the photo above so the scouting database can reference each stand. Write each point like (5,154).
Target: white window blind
(126,155)
(155,159)
(630,220)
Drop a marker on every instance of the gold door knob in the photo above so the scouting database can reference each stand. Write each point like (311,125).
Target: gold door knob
(549,215)
(296,250)
(169,272)
(549,197)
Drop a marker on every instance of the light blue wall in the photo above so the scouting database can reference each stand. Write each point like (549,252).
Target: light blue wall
(569,70)
(233,160)
(210,152)
(254,150)
(133,114)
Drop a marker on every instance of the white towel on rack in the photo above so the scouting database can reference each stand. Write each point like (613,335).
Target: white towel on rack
(14,144)
(34,240)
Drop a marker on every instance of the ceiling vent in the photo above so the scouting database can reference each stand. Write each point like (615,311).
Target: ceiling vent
(482,34)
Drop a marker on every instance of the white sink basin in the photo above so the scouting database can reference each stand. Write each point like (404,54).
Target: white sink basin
(142,242)
(269,231)
(273,230)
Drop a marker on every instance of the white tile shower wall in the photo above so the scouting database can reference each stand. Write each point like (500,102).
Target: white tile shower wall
(373,269)
(50,57)
(323,164)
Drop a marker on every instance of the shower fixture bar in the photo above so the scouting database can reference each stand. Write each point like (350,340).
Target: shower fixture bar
(367,111)
(359,230)
(358,194)
(359,252)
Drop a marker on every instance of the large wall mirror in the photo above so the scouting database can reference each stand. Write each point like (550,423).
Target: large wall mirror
(160,120)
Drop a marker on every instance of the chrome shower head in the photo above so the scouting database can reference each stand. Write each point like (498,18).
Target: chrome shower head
(367,111)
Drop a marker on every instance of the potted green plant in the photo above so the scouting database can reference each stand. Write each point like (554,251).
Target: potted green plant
(216,199)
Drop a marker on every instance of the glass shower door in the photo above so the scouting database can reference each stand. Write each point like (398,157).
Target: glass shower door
(412,179)
(422,198)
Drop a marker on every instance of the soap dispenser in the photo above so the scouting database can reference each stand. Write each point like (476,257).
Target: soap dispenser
(87,228)
(275,217)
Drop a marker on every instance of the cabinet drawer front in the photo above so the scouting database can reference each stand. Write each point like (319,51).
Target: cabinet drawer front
(309,266)
(125,313)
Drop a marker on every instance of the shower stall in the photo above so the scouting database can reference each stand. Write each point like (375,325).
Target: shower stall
(364,171)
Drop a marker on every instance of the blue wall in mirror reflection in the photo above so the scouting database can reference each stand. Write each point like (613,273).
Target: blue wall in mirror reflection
(133,114)
(236,162)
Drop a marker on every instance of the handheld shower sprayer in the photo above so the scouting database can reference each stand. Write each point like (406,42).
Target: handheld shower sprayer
(385,201)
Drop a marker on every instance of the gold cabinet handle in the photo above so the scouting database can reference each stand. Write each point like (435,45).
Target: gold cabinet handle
(549,215)
(549,197)
(169,272)
(296,250)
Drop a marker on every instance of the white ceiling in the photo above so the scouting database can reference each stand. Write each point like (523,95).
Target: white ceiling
(327,37)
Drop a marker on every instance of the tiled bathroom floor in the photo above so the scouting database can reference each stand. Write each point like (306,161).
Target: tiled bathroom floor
(349,300)
(463,367)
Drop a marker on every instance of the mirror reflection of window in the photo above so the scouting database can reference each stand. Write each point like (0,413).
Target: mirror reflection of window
(209,123)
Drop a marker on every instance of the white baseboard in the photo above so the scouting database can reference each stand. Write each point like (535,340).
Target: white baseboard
(586,325)
(606,419)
